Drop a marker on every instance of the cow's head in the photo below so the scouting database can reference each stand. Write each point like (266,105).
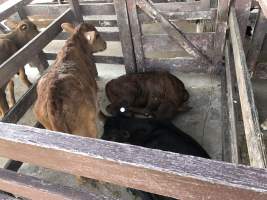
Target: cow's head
(25,30)
(90,33)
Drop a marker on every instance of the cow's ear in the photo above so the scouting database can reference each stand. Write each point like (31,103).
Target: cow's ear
(11,24)
(68,27)
(90,36)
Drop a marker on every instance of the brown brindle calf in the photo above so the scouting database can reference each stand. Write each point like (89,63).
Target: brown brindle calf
(21,34)
(67,94)
(157,94)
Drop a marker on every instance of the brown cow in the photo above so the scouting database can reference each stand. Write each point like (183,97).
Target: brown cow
(67,94)
(21,34)
(157,94)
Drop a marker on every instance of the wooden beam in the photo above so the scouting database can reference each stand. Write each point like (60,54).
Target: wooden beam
(125,35)
(107,36)
(14,165)
(229,67)
(136,35)
(181,64)
(220,30)
(10,7)
(4,196)
(254,49)
(205,15)
(226,147)
(56,10)
(34,188)
(180,6)
(174,32)
(162,42)
(254,136)
(75,7)
(21,107)
(21,57)
(97,59)
(165,173)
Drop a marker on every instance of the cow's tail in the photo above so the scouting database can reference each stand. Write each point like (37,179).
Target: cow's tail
(55,111)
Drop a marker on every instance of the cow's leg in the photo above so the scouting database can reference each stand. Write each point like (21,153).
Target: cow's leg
(10,89)
(3,102)
(24,77)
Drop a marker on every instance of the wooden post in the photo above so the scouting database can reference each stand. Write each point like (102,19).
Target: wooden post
(220,30)
(254,136)
(257,42)
(125,36)
(136,35)
(75,7)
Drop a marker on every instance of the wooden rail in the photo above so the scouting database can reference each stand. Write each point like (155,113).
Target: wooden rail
(10,7)
(21,57)
(164,173)
(229,67)
(34,188)
(254,136)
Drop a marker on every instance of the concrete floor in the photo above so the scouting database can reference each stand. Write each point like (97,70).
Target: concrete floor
(202,122)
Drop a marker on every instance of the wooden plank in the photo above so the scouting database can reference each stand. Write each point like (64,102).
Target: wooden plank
(125,35)
(174,32)
(21,57)
(229,66)
(226,147)
(221,27)
(208,15)
(34,188)
(136,35)
(182,64)
(10,7)
(56,10)
(180,6)
(263,5)
(14,165)
(162,42)
(257,42)
(21,107)
(75,7)
(4,196)
(165,173)
(254,136)
(242,13)
(107,36)
(98,59)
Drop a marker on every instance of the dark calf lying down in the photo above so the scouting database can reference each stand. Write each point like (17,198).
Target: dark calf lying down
(157,94)
(151,133)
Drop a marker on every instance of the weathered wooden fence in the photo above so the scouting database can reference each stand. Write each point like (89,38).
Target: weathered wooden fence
(174,175)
